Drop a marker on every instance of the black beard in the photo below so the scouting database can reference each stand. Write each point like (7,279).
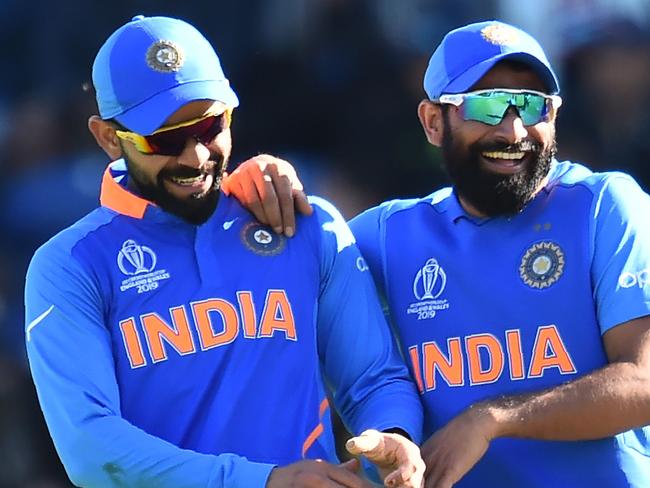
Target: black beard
(493,194)
(196,209)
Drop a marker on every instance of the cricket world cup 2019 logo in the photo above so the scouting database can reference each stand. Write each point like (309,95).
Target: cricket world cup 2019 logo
(429,284)
(134,259)
(138,263)
(430,281)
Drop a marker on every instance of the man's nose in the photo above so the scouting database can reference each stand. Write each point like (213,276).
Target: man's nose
(195,154)
(511,128)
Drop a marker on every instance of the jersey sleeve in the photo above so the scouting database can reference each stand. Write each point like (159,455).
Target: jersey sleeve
(71,361)
(621,264)
(366,228)
(369,382)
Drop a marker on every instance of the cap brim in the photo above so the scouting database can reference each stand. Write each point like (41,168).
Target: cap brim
(149,115)
(466,80)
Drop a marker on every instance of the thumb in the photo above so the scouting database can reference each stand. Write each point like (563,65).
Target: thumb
(302,203)
(370,443)
(352,465)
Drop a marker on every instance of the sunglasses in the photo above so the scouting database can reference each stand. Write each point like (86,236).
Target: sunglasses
(490,106)
(171,140)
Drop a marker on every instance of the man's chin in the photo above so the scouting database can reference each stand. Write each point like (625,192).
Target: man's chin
(195,209)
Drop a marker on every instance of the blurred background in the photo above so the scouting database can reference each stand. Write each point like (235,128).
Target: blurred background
(331,85)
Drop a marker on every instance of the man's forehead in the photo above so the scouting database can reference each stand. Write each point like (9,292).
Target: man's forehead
(511,74)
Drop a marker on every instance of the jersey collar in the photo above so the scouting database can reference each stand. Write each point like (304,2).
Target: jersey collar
(116,197)
(451,205)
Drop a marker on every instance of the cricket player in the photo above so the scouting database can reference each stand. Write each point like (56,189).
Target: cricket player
(174,340)
(521,294)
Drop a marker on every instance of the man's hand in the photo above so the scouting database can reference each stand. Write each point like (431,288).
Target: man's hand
(397,458)
(452,451)
(317,474)
(269,187)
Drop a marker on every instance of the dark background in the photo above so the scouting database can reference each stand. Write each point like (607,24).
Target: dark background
(331,85)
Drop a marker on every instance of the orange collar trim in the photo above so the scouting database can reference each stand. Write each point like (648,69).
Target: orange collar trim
(117,198)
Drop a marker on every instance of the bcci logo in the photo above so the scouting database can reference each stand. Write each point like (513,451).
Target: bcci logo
(165,57)
(542,265)
(500,34)
(134,259)
(261,240)
(139,263)
(429,284)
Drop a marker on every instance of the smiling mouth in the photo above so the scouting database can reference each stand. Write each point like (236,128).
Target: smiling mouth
(505,162)
(193,181)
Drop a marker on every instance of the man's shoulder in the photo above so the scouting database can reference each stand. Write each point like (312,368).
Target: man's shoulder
(61,245)
(572,174)
(437,200)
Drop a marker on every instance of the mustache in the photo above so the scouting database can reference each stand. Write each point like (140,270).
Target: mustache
(523,146)
(213,165)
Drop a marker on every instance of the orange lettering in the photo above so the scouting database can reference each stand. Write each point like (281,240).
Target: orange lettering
(226,310)
(178,336)
(478,374)
(132,343)
(451,369)
(515,356)
(245,299)
(549,352)
(277,315)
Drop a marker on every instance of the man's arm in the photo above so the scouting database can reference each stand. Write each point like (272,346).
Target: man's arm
(370,384)
(72,365)
(603,403)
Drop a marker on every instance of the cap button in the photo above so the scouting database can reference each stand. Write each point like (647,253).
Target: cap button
(137,17)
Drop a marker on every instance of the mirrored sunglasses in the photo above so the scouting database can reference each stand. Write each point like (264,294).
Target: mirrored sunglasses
(171,140)
(490,106)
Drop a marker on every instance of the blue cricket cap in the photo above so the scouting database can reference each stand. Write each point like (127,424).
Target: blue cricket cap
(467,53)
(150,67)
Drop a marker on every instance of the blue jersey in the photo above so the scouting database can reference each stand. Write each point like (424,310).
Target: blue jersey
(501,306)
(173,355)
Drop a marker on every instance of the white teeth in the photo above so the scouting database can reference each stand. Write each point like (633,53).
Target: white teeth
(504,155)
(187,181)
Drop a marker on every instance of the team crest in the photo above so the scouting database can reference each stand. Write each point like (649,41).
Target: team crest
(165,56)
(542,265)
(262,240)
(500,35)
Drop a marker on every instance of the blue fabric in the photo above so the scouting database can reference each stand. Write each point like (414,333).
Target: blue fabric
(468,52)
(501,306)
(170,355)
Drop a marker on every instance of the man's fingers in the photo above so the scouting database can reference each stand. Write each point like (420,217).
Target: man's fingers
(245,191)
(345,476)
(282,186)
(352,465)
(302,202)
(370,443)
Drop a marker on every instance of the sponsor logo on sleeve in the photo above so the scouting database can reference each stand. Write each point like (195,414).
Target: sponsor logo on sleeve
(634,279)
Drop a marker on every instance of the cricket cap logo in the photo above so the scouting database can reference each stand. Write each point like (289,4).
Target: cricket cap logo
(430,281)
(134,259)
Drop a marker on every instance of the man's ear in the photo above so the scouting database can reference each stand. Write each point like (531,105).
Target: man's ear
(104,134)
(430,115)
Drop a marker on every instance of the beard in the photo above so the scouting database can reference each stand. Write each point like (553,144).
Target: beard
(197,208)
(490,193)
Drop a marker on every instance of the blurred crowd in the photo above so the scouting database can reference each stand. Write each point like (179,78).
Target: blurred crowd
(331,85)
